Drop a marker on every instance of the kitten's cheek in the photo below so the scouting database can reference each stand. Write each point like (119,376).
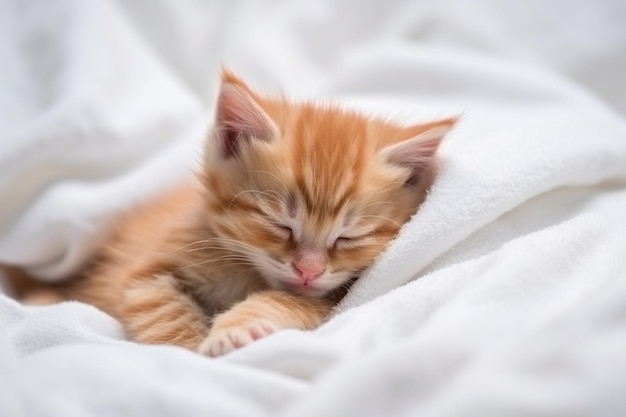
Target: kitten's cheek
(276,284)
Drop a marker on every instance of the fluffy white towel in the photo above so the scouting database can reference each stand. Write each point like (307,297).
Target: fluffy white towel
(519,249)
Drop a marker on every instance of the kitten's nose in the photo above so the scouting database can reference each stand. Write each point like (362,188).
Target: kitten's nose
(308,272)
(309,265)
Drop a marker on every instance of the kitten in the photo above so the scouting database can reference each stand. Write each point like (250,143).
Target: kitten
(294,201)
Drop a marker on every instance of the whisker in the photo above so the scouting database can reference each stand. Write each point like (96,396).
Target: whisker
(221,248)
(209,261)
(378,203)
(271,174)
(242,271)
(182,247)
(416,189)
(384,218)
(235,243)
(273,195)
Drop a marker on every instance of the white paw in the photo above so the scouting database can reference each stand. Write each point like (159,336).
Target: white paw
(223,340)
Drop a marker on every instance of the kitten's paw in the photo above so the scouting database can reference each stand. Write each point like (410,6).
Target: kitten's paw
(223,340)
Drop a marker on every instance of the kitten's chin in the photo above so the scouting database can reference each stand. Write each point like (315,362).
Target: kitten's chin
(305,290)
(311,291)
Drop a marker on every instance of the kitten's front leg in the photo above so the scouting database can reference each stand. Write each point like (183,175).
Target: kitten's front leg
(260,315)
(155,311)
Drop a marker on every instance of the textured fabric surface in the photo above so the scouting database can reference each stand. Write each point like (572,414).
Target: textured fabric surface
(504,295)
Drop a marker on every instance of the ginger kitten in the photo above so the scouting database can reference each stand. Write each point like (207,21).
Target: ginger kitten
(293,203)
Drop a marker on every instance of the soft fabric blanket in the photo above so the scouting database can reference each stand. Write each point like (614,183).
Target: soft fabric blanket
(505,295)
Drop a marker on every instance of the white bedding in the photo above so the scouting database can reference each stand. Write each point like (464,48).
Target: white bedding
(520,248)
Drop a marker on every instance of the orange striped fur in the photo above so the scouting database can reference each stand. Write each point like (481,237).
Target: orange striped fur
(294,202)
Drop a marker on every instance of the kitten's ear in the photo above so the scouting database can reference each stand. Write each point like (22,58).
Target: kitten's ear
(418,152)
(239,117)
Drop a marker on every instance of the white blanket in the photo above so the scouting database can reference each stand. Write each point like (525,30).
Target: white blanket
(503,296)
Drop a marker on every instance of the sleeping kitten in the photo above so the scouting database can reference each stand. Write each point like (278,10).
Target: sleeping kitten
(294,202)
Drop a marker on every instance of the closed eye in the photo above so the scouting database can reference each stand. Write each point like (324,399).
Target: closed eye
(278,226)
(285,231)
(347,242)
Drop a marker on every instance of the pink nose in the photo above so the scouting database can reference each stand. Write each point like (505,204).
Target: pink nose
(308,272)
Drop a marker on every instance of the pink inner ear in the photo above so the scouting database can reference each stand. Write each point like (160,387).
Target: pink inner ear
(239,118)
(416,153)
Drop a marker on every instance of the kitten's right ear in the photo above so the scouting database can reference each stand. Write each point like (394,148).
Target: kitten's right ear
(418,152)
(239,118)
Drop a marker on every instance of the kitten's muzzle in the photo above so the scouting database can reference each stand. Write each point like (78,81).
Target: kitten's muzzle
(308,272)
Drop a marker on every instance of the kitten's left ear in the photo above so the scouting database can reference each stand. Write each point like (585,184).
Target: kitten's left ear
(239,117)
(418,152)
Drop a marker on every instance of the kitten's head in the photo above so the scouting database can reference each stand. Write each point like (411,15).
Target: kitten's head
(310,195)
